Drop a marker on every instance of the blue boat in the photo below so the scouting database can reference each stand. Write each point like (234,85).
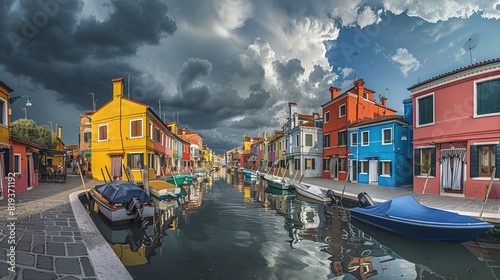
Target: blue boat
(250,174)
(405,216)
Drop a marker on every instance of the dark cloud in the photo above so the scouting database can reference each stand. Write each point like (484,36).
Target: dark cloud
(288,71)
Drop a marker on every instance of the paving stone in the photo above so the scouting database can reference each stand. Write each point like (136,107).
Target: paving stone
(45,262)
(27,237)
(25,259)
(39,239)
(55,249)
(23,246)
(66,233)
(67,266)
(53,228)
(62,239)
(29,274)
(70,278)
(87,267)
(38,249)
(4,271)
(64,224)
(76,249)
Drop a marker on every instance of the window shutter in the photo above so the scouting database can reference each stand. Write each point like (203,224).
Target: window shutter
(379,168)
(416,161)
(129,159)
(6,162)
(433,162)
(35,161)
(497,161)
(142,160)
(474,162)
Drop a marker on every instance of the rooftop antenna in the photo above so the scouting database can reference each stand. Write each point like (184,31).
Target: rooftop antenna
(356,54)
(379,74)
(369,73)
(128,87)
(471,44)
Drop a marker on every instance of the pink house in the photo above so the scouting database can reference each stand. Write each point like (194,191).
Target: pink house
(456,132)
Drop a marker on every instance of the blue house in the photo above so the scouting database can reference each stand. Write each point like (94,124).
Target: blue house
(380,150)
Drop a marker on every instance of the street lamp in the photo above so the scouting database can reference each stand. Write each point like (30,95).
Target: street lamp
(403,133)
(25,113)
(15,98)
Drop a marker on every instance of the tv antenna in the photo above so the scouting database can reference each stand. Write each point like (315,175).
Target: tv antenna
(356,55)
(471,44)
(369,73)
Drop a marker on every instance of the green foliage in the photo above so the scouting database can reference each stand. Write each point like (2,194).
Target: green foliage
(28,130)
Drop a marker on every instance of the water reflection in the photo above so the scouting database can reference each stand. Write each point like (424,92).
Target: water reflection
(232,228)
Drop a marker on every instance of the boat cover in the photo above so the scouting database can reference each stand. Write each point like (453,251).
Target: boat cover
(406,208)
(122,192)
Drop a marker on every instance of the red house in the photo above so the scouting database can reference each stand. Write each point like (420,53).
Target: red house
(357,103)
(24,163)
(456,131)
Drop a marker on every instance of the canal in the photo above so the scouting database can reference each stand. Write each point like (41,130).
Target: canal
(230,228)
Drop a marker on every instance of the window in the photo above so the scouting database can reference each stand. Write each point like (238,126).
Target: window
(102,132)
(365,95)
(326,164)
(326,141)
(425,161)
(488,97)
(150,130)
(342,164)
(342,110)
(482,160)
(386,168)
(425,109)
(17,163)
(354,139)
(386,136)
(135,160)
(135,128)
(87,136)
(327,117)
(297,140)
(342,138)
(309,140)
(310,164)
(364,166)
(365,138)
(296,163)
(157,135)
(3,112)
(151,161)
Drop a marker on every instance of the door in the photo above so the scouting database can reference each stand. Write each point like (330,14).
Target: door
(31,171)
(452,179)
(116,167)
(354,170)
(373,174)
(333,168)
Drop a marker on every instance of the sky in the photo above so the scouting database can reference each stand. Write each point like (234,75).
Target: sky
(225,68)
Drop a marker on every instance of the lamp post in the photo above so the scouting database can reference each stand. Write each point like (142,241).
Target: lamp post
(25,113)
(15,98)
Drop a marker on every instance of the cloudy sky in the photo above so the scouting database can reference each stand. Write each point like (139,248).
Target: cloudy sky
(225,68)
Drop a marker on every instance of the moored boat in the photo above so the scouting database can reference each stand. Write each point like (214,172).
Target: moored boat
(310,191)
(250,174)
(277,182)
(121,202)
(405,216)
(177,180)
(164,190)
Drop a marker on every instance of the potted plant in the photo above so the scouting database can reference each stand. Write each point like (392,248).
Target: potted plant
(425,168)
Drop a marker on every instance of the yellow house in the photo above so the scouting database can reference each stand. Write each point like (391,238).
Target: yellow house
(5,90)
(123,135)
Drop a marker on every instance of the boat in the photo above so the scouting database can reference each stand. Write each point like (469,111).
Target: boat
(277,182)
(121,202)
(281,192)
(405,216)
(250,174)
(177,180)
(311,191)
(164,190)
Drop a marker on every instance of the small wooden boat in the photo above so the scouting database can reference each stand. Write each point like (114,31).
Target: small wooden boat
(177,180)
(250,174)
(164,190)
(405,216)
(122,202)
(310,191)
(277,182)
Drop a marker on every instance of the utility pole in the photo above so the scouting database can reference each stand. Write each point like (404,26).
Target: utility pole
(93,100)
(128,87)
(159,107)
(50,125)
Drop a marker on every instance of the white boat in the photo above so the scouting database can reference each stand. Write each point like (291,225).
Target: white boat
(164,190)
(310,191)
(277,182)
(122,202)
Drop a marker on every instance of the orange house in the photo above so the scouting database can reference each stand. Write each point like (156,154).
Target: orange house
(356,104)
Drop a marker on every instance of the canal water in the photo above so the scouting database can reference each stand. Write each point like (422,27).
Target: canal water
(230,228)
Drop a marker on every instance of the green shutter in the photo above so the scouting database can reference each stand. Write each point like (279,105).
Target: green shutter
(35,161)
(416,161)
(433,162)
(314,164)
(497,161)
(379,168)
(474,161)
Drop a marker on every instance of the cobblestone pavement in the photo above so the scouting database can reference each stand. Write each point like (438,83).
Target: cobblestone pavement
(48,241)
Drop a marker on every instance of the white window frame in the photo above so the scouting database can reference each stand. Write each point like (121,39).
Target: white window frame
(18,167)
(475,97)
(5,113)
(340,111)
(418,109)
(327,119)
(150,130)
(382,173)
(135,153)
(142,129)
(361,170)
(99,133)
(362,138)
(354,135)
(383,136)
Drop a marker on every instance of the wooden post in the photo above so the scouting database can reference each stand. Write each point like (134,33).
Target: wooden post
(83,181)
(145,179)
(425,185)
(488,191)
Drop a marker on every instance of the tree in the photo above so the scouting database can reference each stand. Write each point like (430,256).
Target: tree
(28,130)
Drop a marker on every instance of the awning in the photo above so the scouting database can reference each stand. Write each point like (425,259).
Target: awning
(460,153)
(87,153)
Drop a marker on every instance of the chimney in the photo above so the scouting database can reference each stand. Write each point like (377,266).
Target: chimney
(360,87)
(59,132)
(383,100)
(117,87)
(292,109)
(334,92)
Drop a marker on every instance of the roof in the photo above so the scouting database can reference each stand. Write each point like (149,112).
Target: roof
(2,83)
(25,142)
(379,120)
(482,63)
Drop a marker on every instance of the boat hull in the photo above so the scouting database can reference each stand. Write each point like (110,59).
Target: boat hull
(117,214)
(309,191)
(164,190)
(421,222)
(177,180)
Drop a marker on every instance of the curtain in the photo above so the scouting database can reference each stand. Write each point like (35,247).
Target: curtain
(457,173)
(158,165)
(446,173)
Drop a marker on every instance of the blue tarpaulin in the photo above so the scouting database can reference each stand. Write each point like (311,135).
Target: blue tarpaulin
(122,192)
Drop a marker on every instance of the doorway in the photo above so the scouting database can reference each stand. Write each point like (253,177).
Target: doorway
(116,167)
(373,174)
(354,170)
